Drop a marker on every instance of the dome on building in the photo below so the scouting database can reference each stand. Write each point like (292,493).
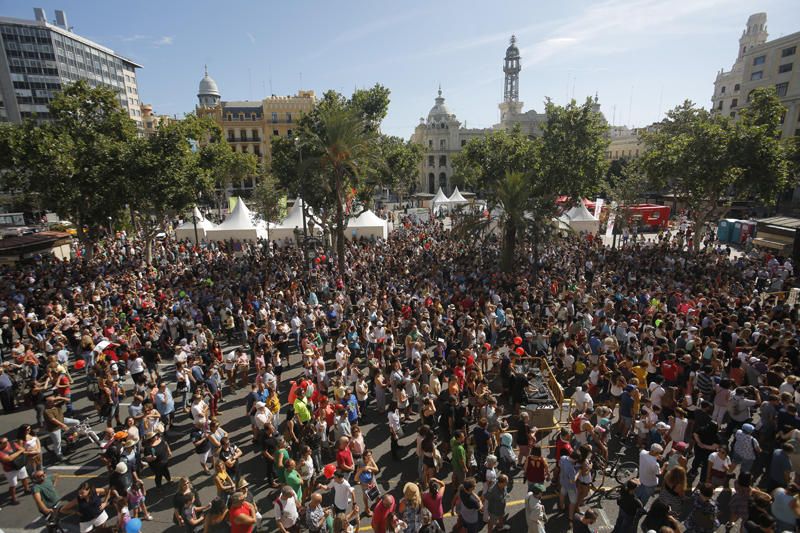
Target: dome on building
(512,51)
(208,86)
(439,110)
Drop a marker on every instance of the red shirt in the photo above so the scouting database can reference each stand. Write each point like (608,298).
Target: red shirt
(11,447)
(669,369)
(433,503)
(240,528)
(379,515)
(344,458)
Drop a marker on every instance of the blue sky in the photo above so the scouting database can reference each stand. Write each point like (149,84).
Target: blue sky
(640,56)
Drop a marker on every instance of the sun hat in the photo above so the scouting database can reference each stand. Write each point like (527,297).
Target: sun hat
(121,468)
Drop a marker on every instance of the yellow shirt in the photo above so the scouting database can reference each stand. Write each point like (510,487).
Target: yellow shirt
(273,404)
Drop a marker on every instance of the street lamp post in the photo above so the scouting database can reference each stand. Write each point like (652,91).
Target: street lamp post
(302,206)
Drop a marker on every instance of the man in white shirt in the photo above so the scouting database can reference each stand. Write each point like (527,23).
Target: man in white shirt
(343,492)
(648,472)
(286,509)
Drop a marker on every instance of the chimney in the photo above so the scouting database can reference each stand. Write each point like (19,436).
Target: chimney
(61,19)
(39,14)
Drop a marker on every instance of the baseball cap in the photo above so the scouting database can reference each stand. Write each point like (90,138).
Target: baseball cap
(748,428)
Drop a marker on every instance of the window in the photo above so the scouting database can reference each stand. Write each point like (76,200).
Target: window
(431,160)
(276,133)
(257,150)
(442,144)
(430,143)
(243,135)
(733,114)
(289,133)
(782,88)
(230,135)
(734,102)
(254,134)
(241,116)
(289,118)
(274,118)
(443,181)
(786,52)
(722,90)
(757,75)
(431,183)
(230,116)
(785,68)
(719,106)
(442,160)
(463,142)
(252,116)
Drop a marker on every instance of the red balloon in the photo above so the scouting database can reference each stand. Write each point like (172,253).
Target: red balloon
(316,260)
(520,351)
(322,258)
(329,470)
(79,364)
(517,341)
(487,345)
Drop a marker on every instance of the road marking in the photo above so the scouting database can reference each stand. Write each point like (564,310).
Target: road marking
(63,467)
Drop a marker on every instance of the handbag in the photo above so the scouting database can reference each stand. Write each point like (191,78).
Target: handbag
(19,461)
(373,495)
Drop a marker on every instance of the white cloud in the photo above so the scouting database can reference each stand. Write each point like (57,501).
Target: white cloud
(166,40)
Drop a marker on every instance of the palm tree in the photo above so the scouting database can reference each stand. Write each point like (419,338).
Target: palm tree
(345,150)
(513,195)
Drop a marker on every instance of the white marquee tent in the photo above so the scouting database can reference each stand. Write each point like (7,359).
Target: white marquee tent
(457,198)
(581,220)
(294,219)
(186,230)
(367,224)
(238,226)
(439,198)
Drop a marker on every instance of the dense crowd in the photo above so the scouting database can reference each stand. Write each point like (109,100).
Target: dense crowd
(688,360)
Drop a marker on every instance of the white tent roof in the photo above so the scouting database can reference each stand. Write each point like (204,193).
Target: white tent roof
(202,222)
(239,219)
(456,197)
(294,218)
(366,219)
(579,213)
(440,197)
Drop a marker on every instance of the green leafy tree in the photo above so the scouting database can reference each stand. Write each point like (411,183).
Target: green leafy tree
(225,167)
(504,167)
(335,161)
(269,201)
(573,150)
(75,163)
(401,167)
(709,161)
(164,178)
(342,154)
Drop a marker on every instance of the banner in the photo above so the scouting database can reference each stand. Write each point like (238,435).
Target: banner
(598,205)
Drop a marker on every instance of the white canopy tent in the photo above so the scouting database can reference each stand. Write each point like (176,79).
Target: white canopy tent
(186,230)
(294,219)
(368,225)
(238,226)
(457,198)
(581,220)
(439,198)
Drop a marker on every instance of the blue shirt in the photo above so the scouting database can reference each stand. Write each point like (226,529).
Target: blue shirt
(567,475)
(626,405)
(780,464)
(481,437)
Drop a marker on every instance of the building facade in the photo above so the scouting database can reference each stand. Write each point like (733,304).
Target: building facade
(442,134)
(762,63)
(250,125)
(152,121)
(38,59)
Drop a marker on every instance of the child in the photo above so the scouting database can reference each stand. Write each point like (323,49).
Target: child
(136,497)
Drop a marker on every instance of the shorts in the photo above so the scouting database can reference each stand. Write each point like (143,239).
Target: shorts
(571,493)
(101,519)
(15,476)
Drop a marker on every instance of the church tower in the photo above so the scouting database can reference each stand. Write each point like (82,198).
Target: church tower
(754,34)
(511,67)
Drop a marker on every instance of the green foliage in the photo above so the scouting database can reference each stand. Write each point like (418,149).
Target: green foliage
(74,164)
(401,163)
(574,143)
(710,160)
(269,201)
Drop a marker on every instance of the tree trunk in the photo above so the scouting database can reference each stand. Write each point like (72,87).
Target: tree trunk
(133,218)
(509,245)
(340,222)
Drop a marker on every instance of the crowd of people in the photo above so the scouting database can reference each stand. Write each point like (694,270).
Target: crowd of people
(687,360)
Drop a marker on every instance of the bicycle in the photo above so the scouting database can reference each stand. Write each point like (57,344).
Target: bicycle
(622,471)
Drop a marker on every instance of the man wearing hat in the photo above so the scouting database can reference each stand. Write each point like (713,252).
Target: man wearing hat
(535,517)
(649,469)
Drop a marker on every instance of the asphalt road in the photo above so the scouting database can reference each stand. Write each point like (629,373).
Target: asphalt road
(84,464)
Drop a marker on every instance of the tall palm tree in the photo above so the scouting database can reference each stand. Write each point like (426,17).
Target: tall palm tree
(345,150)
(513,195)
